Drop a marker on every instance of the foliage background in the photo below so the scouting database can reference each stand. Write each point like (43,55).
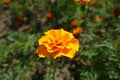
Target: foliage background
(23,22)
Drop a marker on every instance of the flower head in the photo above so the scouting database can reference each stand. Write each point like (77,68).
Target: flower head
(57,43)
(49,15)
(6,1)
(77,30)
(74,23)
(91,3)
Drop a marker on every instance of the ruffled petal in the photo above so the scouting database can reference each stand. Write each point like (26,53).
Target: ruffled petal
(42,51)
(56,54)
(68,53)
(73,44)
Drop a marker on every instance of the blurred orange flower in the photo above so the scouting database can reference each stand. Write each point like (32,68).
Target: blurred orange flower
(97,18)
(6,1)
(49,15)
(57,43)
(91,3)
(77,30)
(83,2)
(74,23)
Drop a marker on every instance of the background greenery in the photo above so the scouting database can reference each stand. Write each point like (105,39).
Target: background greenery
(23,22)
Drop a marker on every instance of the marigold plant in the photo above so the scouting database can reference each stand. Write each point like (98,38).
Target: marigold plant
(57,43)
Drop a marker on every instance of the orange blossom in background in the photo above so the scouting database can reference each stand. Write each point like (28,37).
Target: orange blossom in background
(6,1)
(74,23)
(77,30)
(49,15)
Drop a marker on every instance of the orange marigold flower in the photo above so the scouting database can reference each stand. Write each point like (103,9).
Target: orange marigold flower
(74,23)
(83,2)
(6,1)
(77,30)
(57,43)
(49,15)
(91,3)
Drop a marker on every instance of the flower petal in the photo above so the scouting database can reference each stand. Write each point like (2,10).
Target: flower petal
(68,53)
(73,44)
(42,51)
(56,54)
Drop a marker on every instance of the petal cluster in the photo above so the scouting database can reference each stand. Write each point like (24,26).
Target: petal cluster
(57,43)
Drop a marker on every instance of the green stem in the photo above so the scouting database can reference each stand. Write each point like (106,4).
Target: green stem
(54,68)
